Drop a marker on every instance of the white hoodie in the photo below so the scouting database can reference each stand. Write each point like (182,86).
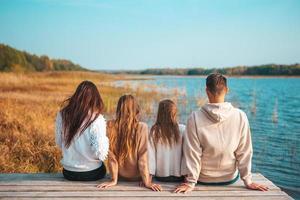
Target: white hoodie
(217,145)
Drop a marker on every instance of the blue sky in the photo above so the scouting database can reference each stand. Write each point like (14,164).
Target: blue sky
(137,34)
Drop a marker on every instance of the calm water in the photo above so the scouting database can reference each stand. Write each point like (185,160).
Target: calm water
(273,108)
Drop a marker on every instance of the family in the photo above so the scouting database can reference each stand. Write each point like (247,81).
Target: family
(213,148)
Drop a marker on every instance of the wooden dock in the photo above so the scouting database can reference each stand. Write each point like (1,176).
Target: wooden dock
(54,186)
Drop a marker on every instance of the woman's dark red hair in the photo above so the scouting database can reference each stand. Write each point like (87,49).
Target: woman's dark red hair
(80,110)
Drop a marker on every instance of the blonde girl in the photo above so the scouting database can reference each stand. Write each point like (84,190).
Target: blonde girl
(128,155)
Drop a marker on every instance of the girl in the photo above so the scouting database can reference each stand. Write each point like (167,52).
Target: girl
(165,144)
(81,134)
(128,146)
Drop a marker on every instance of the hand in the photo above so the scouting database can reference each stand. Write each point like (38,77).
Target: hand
(152,186)
(106,185)
(256,186)
(184,188)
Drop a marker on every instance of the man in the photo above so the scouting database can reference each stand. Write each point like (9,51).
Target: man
(217,146)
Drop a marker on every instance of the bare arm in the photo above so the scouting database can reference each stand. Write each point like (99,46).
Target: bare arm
(112,163)
(143,160)
(113,169)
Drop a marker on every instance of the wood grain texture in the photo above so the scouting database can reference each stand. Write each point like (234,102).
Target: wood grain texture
(54,186)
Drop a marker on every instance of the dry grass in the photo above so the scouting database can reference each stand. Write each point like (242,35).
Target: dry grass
(28,105)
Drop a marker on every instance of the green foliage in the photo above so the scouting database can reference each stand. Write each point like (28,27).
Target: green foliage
(261,70)
(20,61)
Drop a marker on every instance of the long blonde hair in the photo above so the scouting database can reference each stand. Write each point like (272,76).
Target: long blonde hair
(123,130)
(165,129)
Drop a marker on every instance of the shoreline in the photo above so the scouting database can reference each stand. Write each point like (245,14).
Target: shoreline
(142,76)
(128,76)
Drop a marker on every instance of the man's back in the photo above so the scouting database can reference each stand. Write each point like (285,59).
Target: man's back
(217,142)
(218,139)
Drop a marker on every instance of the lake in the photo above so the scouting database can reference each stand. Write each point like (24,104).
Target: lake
(272,106)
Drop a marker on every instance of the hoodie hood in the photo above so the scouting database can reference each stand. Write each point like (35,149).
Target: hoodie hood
(217,112)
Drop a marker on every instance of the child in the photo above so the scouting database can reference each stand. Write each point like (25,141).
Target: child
(165,144)
(128,150)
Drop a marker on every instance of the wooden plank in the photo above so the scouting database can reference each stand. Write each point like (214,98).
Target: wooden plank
(126,185)
(56,179)
(65,182)
(9,188)
(121,185)
(28,186)
(151,198)
(59,176)
(141,194)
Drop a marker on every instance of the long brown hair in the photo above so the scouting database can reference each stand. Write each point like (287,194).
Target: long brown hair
(123,130)
(80,110)
(165,129)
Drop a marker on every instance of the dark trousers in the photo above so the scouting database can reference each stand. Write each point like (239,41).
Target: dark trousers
(220,183)
(93,175)
(170,179)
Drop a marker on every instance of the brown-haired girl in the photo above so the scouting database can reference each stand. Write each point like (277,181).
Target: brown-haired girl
(81,134)
(165,144)
(128,136)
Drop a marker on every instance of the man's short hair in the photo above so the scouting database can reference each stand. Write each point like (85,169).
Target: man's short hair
(215,83)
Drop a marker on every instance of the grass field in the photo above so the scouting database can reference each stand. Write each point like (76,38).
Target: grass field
(28,106)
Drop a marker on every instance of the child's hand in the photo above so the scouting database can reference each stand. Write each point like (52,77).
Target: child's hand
(153,186)
(184,188)
(106,185)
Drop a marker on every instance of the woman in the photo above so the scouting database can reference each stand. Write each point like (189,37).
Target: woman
(165,144)
(127,158)
(81,134)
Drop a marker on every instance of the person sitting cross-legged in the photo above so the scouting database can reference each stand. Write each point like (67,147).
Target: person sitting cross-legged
(217,146)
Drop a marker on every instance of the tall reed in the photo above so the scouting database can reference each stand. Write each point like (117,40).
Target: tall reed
(28,106)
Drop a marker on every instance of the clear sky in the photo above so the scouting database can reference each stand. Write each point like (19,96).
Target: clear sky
(139,34)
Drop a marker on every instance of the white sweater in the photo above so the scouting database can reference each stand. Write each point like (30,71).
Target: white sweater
(164,160)
(86,151)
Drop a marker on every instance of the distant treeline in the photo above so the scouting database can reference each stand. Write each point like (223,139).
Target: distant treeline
(20,61)
(261,70)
